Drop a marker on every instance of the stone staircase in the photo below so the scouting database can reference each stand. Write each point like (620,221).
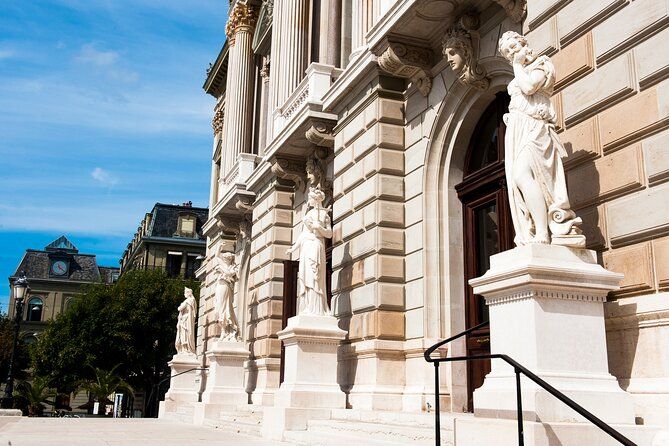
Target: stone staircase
(374,428)
(245,420)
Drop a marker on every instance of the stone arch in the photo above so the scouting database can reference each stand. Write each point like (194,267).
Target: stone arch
(444,286)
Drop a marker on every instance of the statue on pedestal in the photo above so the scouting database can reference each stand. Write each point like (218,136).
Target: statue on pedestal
(226,271)
(185,339)
(310,246)
(537,188)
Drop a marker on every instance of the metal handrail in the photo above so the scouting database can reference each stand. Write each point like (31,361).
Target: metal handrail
(518,369)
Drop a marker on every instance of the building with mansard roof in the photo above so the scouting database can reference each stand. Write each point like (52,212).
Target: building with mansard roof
(56,275)
(396,110)
(168,238)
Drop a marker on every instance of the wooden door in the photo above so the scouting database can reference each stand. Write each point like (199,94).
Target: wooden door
(487,226)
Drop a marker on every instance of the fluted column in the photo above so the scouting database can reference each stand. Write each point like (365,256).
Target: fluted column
(291,22)
(359,18)
(239,92)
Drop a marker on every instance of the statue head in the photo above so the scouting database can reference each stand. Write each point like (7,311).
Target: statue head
(188,293)
(457,48)
(512,43)
(227,257)
(315,197)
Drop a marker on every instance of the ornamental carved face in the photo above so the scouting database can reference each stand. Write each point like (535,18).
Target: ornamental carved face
(455,59)
(457,48)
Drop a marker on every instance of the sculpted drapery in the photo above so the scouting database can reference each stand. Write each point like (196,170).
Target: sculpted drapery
(226,275)
(185,339)
(310,246)
(535,175)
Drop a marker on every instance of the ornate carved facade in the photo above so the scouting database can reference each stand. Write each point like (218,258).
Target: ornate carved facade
(396,110)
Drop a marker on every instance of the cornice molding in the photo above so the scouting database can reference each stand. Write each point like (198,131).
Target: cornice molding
(408,61)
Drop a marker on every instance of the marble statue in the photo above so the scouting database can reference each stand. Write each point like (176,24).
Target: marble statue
(535,176)
(310,246)
(226,271)
(185,339)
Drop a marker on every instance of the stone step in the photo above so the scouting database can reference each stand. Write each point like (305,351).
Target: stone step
(421,419)
(390,433)
(314,438)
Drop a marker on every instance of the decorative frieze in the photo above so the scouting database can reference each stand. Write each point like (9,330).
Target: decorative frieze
(409,62)
(460,46)
(217,120)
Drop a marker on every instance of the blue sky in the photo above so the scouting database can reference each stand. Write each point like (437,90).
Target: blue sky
(102,114)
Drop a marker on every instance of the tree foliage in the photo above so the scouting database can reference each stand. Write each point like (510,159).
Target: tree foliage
(34,393)
(128,327)
(6,338)
(104,383)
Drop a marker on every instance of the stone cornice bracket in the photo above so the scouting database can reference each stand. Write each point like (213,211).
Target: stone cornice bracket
(229,225)
(217,120)
(244,205)
(460,46)
(408,62)
(242,18)
(320,134)
(516,9)
(289,169)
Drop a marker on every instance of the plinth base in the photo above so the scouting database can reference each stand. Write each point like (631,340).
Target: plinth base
(184,384)
(546,307)
(225,383)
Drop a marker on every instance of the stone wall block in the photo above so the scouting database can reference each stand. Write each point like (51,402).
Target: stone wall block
(656,157)
(581,15)
(599,89)
(638,216)
(539,10)
(635,262)
(390,136)
(414,323)
(389,324)
(365,192)
(354,128)
(635,117)
(266,309)
(365,144)
(390,111)
(594,226)
(351,225)
(343,160)
(414,294)
(607,177)
(414,238)
(414,156)
(390,296)
(389,240)
(413,183)
(342,207)
(581,142)
(625,28)
(413,210)
(661,255)
(267,347)
(544,39)
(389,268)
(652,65)
(574,61)
(386,213)
(353,176)
(390,187)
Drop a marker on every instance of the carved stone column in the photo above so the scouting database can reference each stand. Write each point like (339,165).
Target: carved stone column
(292,30)
(239,94)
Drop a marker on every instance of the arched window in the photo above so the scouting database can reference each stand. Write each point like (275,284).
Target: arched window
(35,306)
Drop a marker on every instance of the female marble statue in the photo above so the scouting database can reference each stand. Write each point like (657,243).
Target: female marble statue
(310,246)
(226,275)
(535,176)
(185,340)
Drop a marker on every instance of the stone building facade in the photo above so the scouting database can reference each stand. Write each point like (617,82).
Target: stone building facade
(397,108)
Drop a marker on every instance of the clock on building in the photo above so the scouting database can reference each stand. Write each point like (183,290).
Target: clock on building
(59,267)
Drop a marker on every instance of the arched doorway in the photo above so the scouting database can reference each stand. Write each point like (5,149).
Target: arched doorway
(487,226)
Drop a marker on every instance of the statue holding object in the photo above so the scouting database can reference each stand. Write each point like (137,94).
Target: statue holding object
(227,272)
(185,339)
(535,175)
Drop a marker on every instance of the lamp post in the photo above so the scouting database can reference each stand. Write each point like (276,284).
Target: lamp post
(20,288)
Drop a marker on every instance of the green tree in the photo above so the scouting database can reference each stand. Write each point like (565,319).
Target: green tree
(131,324)
(104,384)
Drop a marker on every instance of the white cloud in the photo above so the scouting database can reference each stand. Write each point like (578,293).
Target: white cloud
(103,177)
(92,56)
(6,54)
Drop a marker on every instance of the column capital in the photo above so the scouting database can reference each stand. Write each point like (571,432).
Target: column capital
(242,18)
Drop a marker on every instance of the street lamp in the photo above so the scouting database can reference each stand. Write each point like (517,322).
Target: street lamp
(20,287)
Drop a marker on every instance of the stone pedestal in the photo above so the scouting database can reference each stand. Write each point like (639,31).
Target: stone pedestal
(546,312)
(184,387)
(309,389)
(225,383)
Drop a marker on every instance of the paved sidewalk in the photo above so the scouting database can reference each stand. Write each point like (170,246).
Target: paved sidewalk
(24,431)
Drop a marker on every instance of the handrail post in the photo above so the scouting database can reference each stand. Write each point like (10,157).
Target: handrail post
(437,409)
(519,404)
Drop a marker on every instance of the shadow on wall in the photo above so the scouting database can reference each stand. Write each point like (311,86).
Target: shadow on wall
(341,308)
